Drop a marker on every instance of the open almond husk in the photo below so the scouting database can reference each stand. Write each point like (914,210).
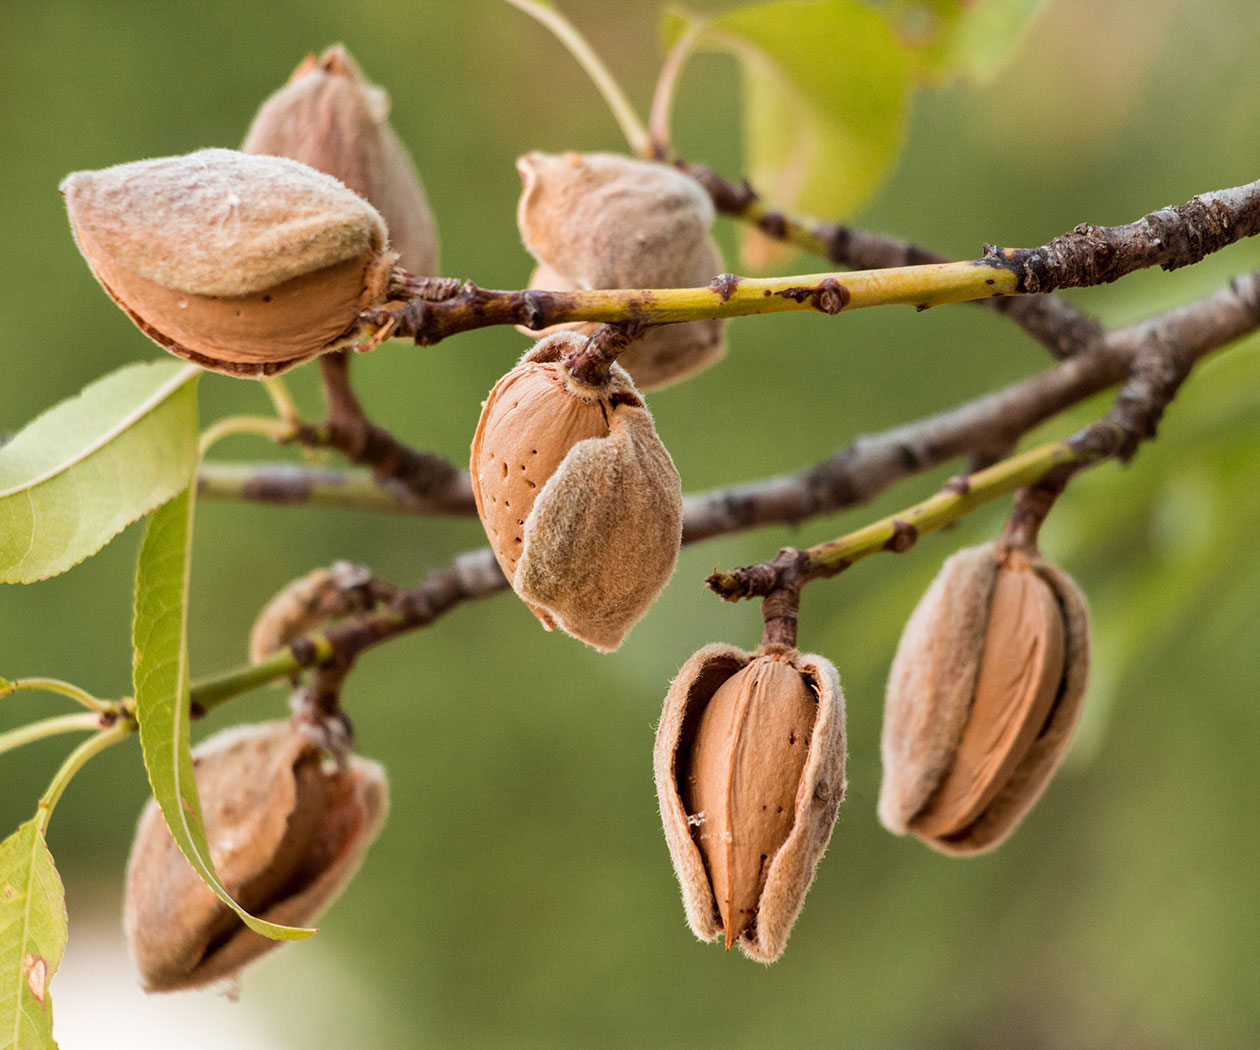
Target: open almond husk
(749,766)
(579,498)
(286,832)
(984,691)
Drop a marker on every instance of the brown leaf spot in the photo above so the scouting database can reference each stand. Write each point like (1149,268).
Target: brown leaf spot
(36,969)
(10,893)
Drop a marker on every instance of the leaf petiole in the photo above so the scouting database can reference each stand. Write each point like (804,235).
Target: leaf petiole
(47,727)
(77,759)
(67,689)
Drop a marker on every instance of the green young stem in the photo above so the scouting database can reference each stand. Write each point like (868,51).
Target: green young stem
(276,429)
(667,84)
(67,689)
(78,758)
(728,296)
(899,532)
(207,693)
(282,401)
(564,30)
(47,727)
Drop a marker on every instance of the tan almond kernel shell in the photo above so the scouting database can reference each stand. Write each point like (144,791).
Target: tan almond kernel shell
(739,781)
(245,265)
(815,801)
(599,220)
(931,683)
(580,500)
(935,678)
(1033,774)
(1021,668)
(286,833)
(329,117)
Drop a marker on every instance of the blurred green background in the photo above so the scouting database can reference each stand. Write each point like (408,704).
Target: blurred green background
(521,894)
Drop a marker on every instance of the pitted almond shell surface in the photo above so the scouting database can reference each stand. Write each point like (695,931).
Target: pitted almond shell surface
(329,117)
(599,220)
(285,834)
(580,500)
(816,799)
(961,773)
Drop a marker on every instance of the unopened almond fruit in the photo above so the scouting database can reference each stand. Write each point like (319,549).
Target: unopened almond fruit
(597,220)
(983,694)
(578,496)
(329,117)
(749,765)
(286,832)
(244,264)
(309,602)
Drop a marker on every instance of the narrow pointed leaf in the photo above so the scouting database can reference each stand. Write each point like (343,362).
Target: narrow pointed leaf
(32,938)
(162,685)
(79,474)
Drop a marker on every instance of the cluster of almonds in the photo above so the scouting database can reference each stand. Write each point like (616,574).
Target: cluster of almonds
(983,694)
(249,263)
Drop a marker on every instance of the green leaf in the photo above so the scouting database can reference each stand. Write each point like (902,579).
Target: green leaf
(32,938)
(162,685)
(84,470)
(826,90)
(964,38)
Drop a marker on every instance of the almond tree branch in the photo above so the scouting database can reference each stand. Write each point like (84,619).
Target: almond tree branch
(1055,323)
(1155,354)
(429,478)
(855,474)
(1160,358)
(1088,255)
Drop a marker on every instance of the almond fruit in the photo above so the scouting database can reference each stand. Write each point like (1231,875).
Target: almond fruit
(244,265)
(309,602)
(329,117)
(984,691)
(749,766)
(580,500)
(286,833)
(598,220)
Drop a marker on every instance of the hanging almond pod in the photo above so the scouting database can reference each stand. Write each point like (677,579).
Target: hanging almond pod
(597,220)
(578,496)
(983,694)
(749,767)
(329,117)
(286,833)
(244,265)
(308,603)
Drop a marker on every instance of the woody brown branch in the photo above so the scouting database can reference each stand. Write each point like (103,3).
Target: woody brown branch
(1170,238)
(860,471)
(1053,322)
(1157,356)
(431,479)
(1182,337)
